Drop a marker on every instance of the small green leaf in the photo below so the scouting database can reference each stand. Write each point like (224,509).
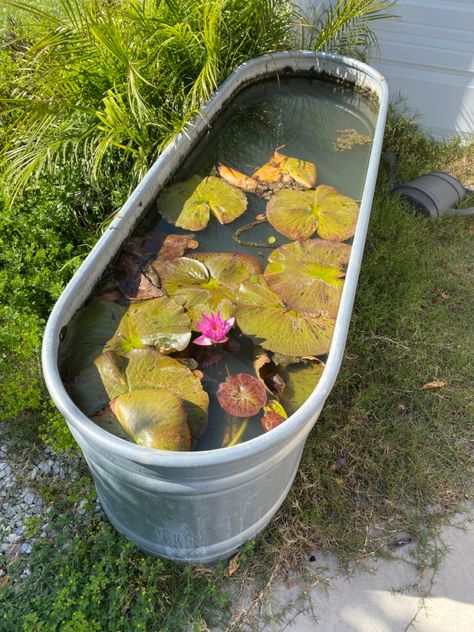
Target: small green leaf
(301,379)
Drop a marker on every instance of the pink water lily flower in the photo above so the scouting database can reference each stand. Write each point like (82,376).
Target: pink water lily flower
(214,329)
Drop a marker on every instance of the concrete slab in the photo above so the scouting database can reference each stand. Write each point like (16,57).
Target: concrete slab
(388,595)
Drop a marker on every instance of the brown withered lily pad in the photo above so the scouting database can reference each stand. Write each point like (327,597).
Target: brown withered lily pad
(262,314)
(133,283)
(189,204)
(134,280)
(154,418)
(299,214)
(242,395)
(206,282)
(239,179)
(274,415)
(285,171)
(309,275)
(158,244)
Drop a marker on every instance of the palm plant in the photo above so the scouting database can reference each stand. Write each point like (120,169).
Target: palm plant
(107,83)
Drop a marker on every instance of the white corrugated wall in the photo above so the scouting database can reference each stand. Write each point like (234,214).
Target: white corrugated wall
(427,56)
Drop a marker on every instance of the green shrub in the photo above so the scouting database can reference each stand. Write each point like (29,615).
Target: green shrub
(113,82)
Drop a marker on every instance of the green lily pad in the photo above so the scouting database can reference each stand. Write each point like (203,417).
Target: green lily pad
(98,383)
(300,379)
(262,314)
(110,423)
(299,214)
(189,204)
(206,282)
(308,275)
(241,395)
(154,418)
(87,334)
(148,368)
(112,374)
(229,268)
(159,322)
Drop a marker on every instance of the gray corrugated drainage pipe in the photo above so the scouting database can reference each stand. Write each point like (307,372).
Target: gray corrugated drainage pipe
(434,194)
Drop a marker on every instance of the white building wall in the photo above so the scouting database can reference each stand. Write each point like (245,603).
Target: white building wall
(427,56)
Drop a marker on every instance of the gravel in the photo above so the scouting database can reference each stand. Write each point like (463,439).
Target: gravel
(24,515)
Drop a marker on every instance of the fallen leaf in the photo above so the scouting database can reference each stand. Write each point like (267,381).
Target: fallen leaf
(445,295)
(433,384)
(4,581)
(234,564)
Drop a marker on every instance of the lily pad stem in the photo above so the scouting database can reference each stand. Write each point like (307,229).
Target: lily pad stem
(239,434)
(252,244)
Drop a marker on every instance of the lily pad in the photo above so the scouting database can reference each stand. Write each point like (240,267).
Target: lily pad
(298,214)
(158,244)
(286,171)
(99,382)
(262,314)
(109,422)
(241,395)
(160,322)
(189,204)
(154,418)
(87,334)
(206,282)
(238,179)
(308,275)
(274,415)
(148,368)
(134,285)
(112,374)
(300,379)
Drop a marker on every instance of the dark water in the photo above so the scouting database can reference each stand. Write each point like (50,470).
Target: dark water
(302,116)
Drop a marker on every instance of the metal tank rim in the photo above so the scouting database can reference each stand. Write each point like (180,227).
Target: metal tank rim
(78,289)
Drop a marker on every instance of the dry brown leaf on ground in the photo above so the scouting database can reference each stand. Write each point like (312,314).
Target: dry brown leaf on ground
(234,564)
(433,384)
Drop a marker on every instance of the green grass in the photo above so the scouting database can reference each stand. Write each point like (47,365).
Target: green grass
(408,450)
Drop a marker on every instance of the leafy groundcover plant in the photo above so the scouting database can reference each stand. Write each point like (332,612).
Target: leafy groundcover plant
(131,358)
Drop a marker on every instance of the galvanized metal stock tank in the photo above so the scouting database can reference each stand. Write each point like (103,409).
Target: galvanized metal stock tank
(200,506)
